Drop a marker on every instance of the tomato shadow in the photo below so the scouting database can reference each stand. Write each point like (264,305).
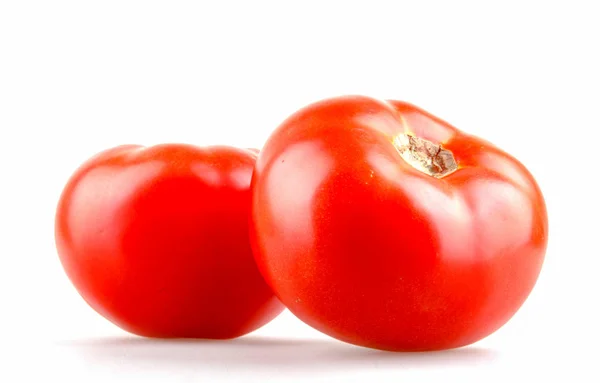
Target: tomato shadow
(252,353)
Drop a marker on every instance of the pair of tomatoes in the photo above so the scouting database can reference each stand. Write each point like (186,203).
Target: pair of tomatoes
(372,221)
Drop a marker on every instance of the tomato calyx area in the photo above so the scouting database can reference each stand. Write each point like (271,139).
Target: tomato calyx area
(425,156)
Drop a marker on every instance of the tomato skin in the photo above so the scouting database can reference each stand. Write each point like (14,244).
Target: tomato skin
(155,239)
(365,248)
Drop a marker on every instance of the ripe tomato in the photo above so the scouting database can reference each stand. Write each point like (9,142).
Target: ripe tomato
(383,226)
(156,240)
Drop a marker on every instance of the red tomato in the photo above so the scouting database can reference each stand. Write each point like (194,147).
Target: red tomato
(383,226)
(156,240)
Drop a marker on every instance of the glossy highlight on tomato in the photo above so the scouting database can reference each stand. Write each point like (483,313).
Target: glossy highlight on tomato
(365,243)
(155,239)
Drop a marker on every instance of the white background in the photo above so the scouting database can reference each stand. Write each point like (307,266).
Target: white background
(77,77)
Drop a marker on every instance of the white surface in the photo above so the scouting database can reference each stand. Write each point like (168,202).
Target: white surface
(78,77)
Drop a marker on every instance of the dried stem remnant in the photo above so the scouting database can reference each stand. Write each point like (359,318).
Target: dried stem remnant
(425,156)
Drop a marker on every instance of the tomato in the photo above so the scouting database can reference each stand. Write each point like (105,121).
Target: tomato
(384,226)
(155,239)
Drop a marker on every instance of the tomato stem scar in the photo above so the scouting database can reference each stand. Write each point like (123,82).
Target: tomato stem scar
(425,156)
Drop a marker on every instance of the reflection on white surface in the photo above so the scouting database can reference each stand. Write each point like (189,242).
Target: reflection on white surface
(269,355)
